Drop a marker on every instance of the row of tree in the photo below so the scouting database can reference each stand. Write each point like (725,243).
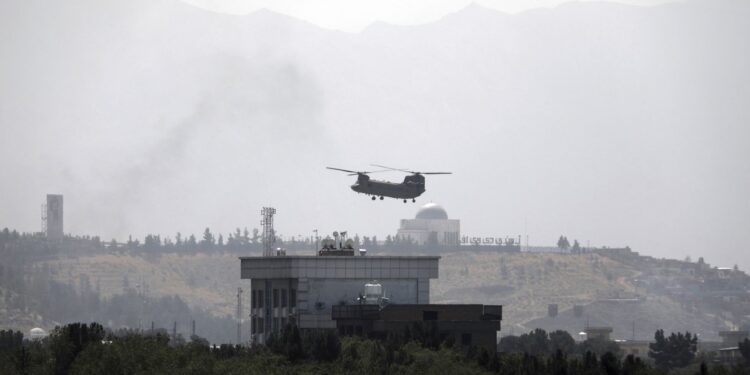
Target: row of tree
(668,352)
(90,349)
(564,245)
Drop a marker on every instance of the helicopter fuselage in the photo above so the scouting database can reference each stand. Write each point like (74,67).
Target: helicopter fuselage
(410,188)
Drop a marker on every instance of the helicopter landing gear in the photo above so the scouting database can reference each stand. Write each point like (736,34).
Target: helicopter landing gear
(381,198)
(373,198)
(413,201)
(404,200)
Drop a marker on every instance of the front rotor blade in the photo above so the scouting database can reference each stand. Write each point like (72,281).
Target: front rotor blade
(342,170)
(435,172)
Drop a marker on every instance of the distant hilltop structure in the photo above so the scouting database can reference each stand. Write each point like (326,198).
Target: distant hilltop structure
(431,226)
(52,217)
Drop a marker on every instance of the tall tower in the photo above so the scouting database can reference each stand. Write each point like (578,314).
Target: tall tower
(53,217)
(269,236)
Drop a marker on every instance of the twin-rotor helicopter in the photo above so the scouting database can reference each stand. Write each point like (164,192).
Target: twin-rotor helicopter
(412,186)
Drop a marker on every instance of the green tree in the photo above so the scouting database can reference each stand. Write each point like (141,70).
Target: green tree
(633,365)
(599,347)
(576,249)
(323,346)
(562,341)
(563,243)
(535,342)
(208,238)
(674,351)
(70,340)
(744,347)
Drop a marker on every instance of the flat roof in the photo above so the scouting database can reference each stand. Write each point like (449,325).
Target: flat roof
(344,257)
(339,267)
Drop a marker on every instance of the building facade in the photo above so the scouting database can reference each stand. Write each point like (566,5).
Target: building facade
(303,289)
(464,325)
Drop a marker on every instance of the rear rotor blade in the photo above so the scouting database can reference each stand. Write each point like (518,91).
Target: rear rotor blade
(393,169)
(408,171)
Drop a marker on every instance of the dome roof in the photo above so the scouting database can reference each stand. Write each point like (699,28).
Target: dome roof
(432,211)
(37,333)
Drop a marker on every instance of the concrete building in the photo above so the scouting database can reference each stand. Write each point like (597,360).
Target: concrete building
(598,333)
(303,289)
(54,217)
(431,226)
(465,325)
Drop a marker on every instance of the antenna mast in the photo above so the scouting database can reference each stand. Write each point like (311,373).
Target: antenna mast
(268,234)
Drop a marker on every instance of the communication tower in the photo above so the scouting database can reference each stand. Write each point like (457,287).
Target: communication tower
(52,217)
(268,234)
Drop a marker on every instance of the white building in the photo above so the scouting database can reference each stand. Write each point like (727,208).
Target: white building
(37,333)
(431,226)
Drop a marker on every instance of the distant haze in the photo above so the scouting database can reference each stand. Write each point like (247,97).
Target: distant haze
(609,123)
(355,15)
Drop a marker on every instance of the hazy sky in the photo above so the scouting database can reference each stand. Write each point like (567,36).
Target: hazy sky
(609,123)
(354,15)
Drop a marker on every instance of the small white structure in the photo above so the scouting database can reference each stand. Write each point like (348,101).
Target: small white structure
(37,333)
(431,226)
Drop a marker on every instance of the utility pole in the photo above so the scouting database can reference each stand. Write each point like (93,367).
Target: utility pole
(239,316)
(315,239)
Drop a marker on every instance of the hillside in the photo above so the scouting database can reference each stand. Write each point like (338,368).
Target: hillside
(205,281)
(525,283)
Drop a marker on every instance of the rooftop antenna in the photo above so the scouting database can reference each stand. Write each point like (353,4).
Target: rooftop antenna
(268,233)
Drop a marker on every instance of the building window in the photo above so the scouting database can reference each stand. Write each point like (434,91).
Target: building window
(253,300)
(275,298)
(292,297)
(260,299)
(283,323)
(429,315)
(466,339)
(261,325)
(252,325)
(283,298)
(275,325)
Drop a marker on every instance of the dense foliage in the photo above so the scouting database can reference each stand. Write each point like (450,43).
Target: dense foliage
(677,350)
(539,342)
(89,349)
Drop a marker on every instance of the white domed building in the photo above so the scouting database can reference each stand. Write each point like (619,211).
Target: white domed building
(37,333)
(431,226)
